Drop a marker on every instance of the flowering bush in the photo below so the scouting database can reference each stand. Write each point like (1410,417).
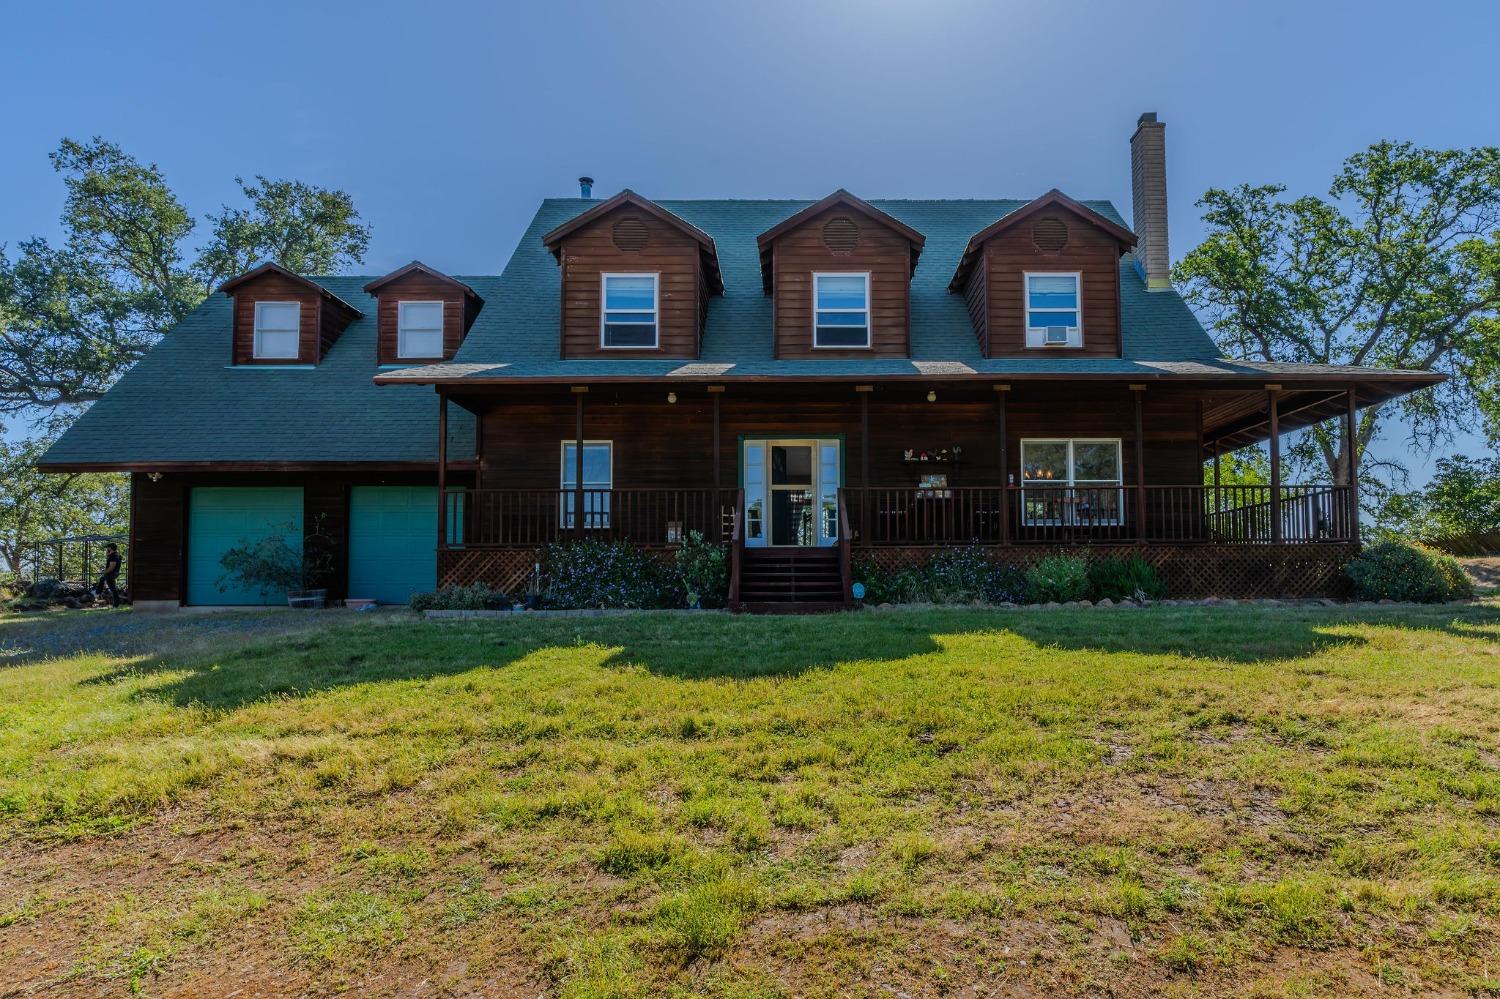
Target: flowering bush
(607,574)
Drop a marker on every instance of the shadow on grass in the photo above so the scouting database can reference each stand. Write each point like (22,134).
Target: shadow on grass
(246,664)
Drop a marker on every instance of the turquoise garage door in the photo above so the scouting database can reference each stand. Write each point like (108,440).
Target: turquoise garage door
(392,542)
(221,518)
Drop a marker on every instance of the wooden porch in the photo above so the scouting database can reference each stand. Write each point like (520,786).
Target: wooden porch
(669,463)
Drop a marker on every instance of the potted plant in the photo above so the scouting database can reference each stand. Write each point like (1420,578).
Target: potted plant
(271,564)
(704,571)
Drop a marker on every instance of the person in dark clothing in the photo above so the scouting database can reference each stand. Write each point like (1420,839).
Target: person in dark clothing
(111,573)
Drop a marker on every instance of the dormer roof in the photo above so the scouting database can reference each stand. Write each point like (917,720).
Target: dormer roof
(553,240)
(837,198)
(417,267)
(1052,199)
(271,267)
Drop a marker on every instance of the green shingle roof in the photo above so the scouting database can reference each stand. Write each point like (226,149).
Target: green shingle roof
(185,403)
(520,329)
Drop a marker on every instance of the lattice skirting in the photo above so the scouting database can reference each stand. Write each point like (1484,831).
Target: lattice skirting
(505,569)
(1190,571)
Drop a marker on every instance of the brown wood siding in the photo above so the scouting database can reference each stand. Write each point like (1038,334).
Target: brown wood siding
(419,287)
(663,446)
(1090,251)
(669,252)
(883,252)
(157,529)
(159,513)
(976,297)
(275,288)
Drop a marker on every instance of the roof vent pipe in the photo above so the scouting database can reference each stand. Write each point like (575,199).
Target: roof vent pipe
(585,187)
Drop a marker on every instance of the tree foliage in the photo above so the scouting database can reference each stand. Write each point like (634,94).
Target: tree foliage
(74,316)
(36,506)
(1462,498)
(1399,267)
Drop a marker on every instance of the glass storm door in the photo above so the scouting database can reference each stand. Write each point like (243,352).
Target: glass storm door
(791,492)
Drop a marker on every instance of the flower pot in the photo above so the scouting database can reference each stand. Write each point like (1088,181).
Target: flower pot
(307,599)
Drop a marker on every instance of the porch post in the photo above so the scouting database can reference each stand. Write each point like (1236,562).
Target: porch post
(864,461)
(1351,438)
(578,393)
(1002,395)
(1140,466)
(442,470)
(1272,393)
(716,391)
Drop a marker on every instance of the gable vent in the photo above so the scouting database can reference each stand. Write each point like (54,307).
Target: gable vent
(841,234)
(630,234)
(1049,234)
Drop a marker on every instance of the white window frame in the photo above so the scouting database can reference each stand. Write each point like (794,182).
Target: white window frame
(255,346)
(654,311)
(1069,485)
(868,310)
(594,520)
(1036,336)
(401,351)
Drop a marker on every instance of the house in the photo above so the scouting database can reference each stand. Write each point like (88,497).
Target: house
(809,383)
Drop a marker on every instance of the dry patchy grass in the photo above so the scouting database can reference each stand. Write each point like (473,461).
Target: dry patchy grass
(1242,801)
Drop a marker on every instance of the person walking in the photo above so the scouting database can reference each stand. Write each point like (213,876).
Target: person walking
(111,573)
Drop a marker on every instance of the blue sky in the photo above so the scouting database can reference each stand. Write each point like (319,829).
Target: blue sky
(449,121)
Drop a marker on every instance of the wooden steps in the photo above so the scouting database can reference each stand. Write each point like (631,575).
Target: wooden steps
(791,581)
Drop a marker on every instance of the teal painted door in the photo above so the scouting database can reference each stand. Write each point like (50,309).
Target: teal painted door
(222,517)
(392,542)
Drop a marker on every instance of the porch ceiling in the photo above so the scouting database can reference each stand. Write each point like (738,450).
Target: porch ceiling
(1236,419)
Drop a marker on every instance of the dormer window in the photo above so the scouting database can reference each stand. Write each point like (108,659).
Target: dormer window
(1053,316)
(419,330)
(841,319)
(278,331)
(629,315)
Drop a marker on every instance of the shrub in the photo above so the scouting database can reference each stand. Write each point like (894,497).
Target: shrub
(607,574)
(475,597)
(1398,570)
(1059,578)
(953,575)
(1125,579)
(704,571)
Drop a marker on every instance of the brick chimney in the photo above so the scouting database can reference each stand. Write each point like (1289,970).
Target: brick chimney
(1148,200)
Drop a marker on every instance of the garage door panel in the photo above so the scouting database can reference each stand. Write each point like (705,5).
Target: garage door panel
(392,542)
(224,517)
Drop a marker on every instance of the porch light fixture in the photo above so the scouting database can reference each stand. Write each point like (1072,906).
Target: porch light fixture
(154,476)
(672,397)
(931,396)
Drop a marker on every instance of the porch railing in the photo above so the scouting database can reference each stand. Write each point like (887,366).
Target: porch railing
(1030,514)
(1053,514)
(500,518)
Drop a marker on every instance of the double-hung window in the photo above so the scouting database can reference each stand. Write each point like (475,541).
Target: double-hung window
(598,477)
(1053,314)
(630,307)
(1076,482)
(278,330)
(841,313)
(419,329)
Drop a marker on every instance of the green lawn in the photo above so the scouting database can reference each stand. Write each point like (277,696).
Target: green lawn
(1235,801)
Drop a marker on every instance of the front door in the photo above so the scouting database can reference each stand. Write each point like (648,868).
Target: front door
(791,492)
